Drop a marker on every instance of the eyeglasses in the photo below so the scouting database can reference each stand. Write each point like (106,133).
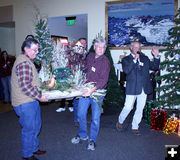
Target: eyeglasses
(100,47)
(35,50)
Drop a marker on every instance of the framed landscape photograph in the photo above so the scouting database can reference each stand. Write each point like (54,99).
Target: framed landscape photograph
(147,21)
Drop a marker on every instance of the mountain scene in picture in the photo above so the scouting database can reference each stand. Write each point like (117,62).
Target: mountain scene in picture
(147,22)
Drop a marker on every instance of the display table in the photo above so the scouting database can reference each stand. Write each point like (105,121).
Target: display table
(70,93)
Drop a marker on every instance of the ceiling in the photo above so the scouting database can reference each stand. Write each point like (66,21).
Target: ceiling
(81,20)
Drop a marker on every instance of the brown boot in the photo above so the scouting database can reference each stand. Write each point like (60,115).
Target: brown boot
(119,126)
(40,152)
(76,124)
(136,132)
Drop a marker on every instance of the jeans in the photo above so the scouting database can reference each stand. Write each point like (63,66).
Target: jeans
(75,106)
(6,82)
(83,106)
(30,120)
(1,88)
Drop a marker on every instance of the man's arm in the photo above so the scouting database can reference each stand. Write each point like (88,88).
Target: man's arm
(128,65)
(89,92)
(24,74)
(154,65)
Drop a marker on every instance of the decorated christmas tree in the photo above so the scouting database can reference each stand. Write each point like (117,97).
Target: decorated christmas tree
(170,69)
(43,36)
(115,94)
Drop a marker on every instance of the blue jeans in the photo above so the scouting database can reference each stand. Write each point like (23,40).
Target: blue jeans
(1,88)
(75,106)
(30,120)
(6,82)
(83,106)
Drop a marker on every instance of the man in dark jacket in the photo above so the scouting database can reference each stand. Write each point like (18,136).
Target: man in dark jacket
(136,67)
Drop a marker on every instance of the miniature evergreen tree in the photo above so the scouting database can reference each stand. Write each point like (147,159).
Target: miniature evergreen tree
(115,93)
(170,78)
(43,36)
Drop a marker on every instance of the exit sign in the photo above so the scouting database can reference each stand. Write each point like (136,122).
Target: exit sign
(70,22)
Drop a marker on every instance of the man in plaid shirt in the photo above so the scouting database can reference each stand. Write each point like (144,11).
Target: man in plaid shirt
(25,96)
(24,72)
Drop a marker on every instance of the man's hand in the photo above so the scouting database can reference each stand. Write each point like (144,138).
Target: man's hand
(155,51)
(43,98)
(136,56)
(89,92)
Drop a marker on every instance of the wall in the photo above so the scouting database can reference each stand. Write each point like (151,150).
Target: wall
(7,31)
(58,26)
(7,35)
(24,17)
(6,13)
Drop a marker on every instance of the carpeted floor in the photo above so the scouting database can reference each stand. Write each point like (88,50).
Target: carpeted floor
(58,129)
(5,107)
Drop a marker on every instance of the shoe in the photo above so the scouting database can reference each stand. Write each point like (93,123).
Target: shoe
(91,145)
(71,109)
(119,126)
(39,152)
(60,109)
(77,139)
(4,102)
(136,132)
(30,158)
(76,124)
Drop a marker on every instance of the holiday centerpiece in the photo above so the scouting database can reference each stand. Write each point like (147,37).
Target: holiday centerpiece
(65,79)
(64,82)
(74,86)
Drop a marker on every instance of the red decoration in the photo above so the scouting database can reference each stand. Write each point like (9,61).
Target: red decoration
(158,118)
(177,128)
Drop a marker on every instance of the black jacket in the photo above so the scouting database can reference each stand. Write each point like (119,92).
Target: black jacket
(138,78)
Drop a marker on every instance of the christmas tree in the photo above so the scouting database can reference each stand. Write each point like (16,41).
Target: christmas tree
(170,69)
(115,94)
(43,36)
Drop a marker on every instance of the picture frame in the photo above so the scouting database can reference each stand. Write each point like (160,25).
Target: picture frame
(146,21)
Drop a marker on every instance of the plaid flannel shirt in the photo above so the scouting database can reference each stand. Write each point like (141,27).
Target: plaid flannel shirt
(25,77)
